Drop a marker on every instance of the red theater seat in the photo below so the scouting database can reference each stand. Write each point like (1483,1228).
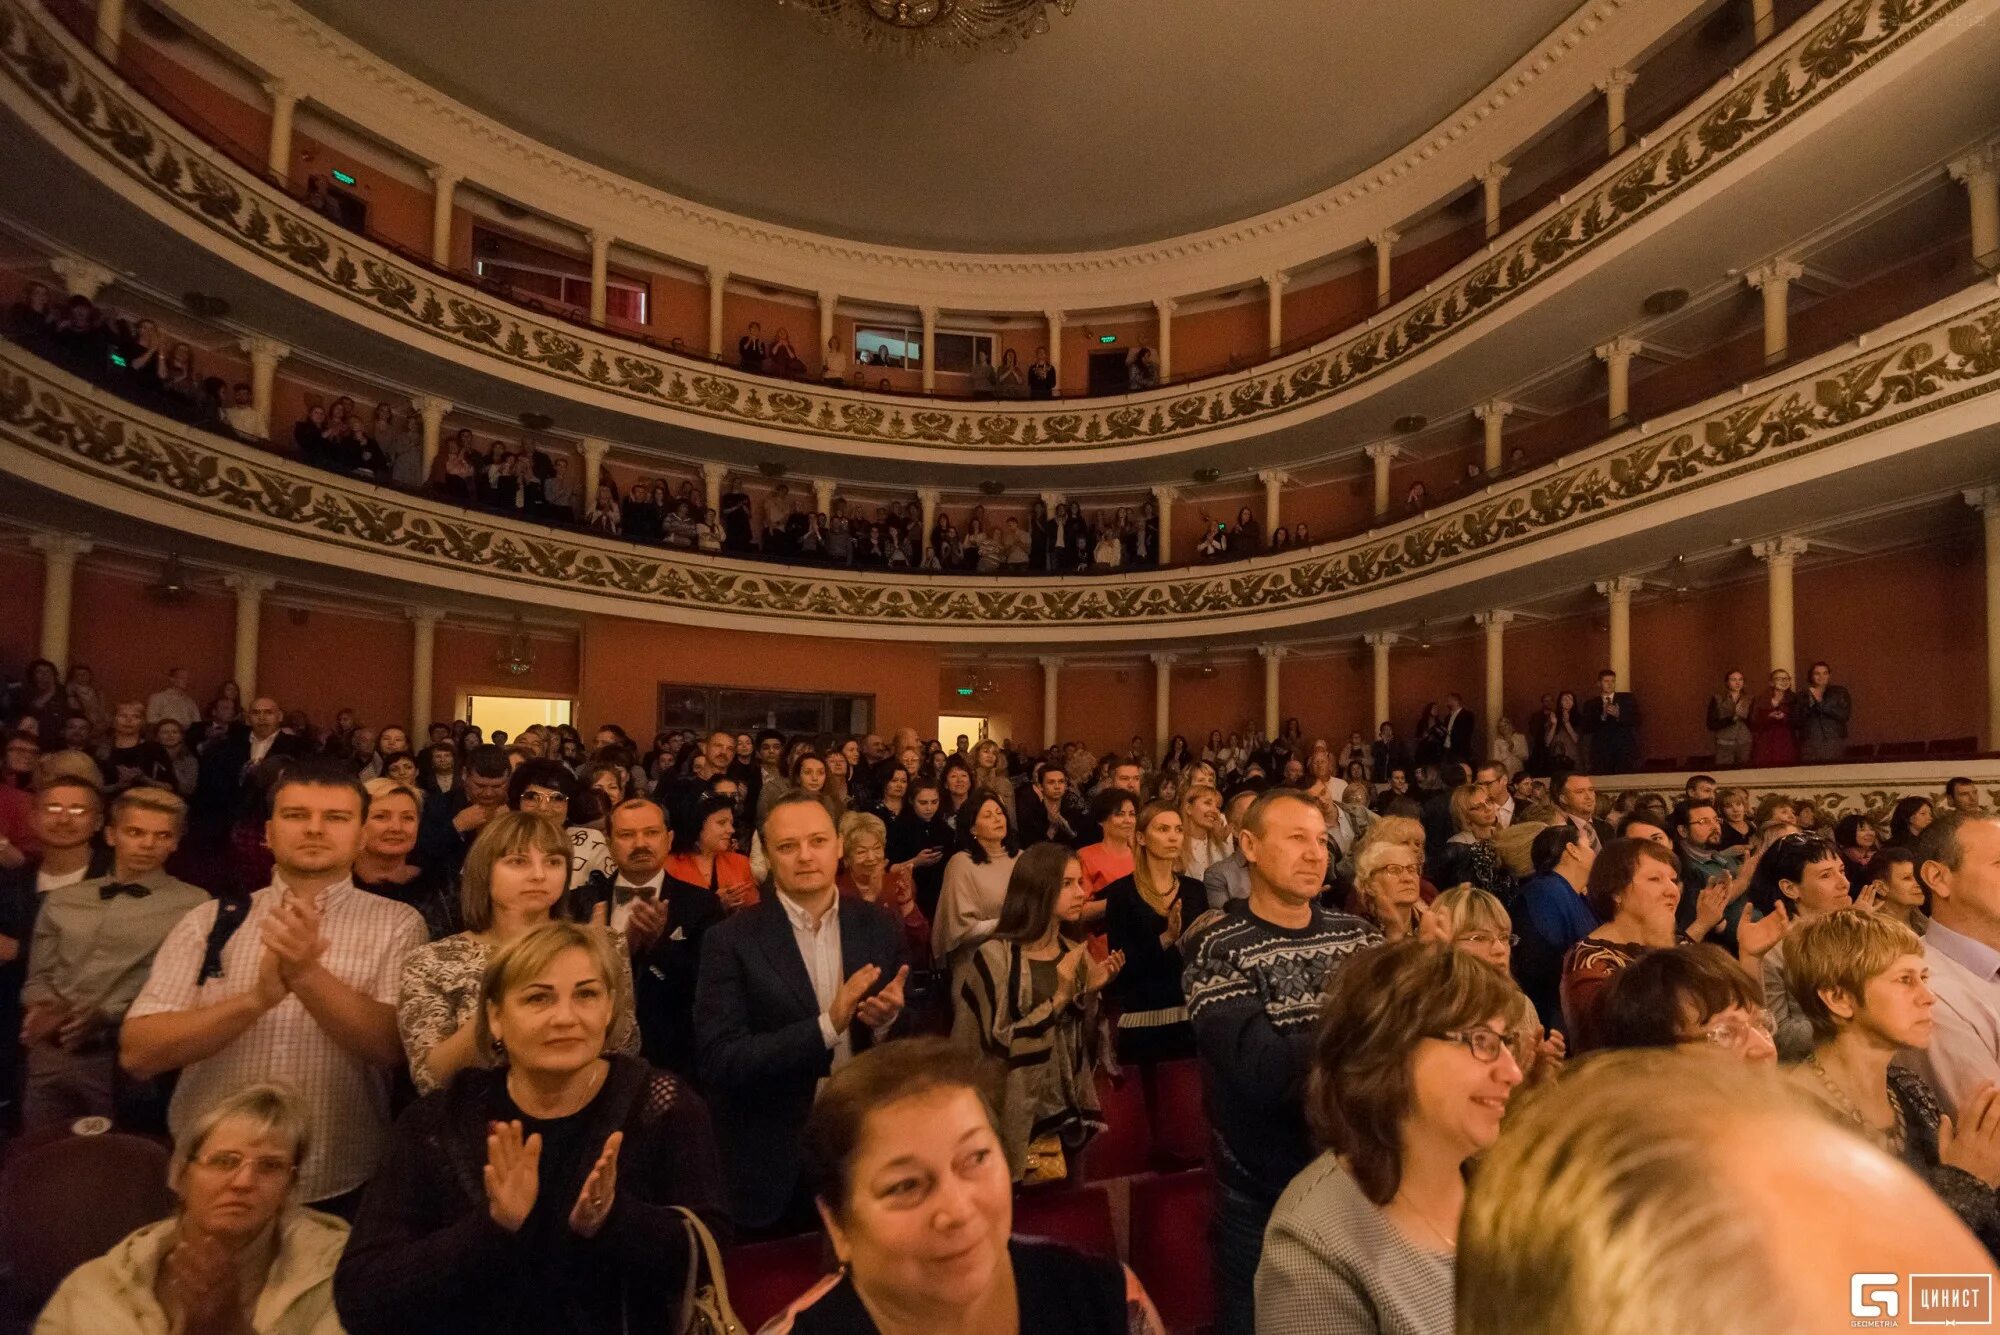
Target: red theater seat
(1125,1146)
(764,1277)
(1180,1124)
(1078,1217)
(67,1201)
(1170,1247)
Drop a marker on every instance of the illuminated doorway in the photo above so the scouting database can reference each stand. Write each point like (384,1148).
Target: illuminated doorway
(513,713)
(951,725)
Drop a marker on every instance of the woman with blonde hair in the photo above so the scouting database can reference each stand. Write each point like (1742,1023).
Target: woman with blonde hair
(1206,838)
(865,874)
(1145,916)
(240,1256)
(515,880)
(552,1192)
(989,771)
(1471,855)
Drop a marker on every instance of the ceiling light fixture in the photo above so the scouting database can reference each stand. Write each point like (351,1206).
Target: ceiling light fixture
(920,28)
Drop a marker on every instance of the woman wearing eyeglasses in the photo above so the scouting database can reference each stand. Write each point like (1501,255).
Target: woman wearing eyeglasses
(1411,1073)
(1692,997)
(1861,980)
(239,1255)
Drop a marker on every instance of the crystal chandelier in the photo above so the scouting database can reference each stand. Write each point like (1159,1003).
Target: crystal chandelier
(516,657)
(915,28)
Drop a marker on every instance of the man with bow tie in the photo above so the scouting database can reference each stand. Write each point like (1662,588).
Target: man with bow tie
(93,945)
(664,919)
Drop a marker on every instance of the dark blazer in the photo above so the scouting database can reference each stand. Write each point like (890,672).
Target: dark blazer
(1614,742)
(756,1026)
(224,790)
(664,977)
(1458,737)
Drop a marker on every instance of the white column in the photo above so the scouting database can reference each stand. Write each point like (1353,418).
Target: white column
(432,409)
(1380,641)
(1163,309)
(1382,453)
(829,304)
(718,284)
(1163,497)
(1774,281)
(81,277)
(59,554)
(250,591)
(1613,86)
(423,658)
(1163,700)
(284,103)
(110,29)
(823,495)
(1493,416)
(1385,243)
(1055,322)
(1781,555)
(1273,655)
(1986,500)
(929,316)
(1495,625)
(1274,481)
(600,273)
(594,451)
(1763,20)
(1274,310)
(1051,679)
(1618,592)
(444,197)
(265,354)
(712,477)
(927,503)
(1979,173)
(1490,180)
(1617,357)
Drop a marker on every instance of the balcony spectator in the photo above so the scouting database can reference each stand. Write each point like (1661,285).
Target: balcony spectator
(1417,499)
(1214,544)
(752,350)
(1041,376)
(783,359)
(984,382)
(1010,382)
(32,320)
(240,414)
(1109,553)
(607,515)
(776,539)
(1774,721)
(309,436)
(1142,369)
(1729,722)
(738,517)
(180,388)
(833,362)
(1611,720)
(82,343)
(1281,539)
(1824,710)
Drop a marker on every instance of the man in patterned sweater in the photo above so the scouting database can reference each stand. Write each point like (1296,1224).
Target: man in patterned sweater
(1255,982)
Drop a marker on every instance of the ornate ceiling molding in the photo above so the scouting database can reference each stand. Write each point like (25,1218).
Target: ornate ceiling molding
(58,432)
(323,65)
(108,128)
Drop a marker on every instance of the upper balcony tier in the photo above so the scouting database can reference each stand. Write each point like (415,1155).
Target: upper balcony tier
(1909,413)
(1720,187)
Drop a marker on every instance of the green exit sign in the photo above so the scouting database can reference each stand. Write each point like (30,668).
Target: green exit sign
(1107,338)
(965,690)
(342,177)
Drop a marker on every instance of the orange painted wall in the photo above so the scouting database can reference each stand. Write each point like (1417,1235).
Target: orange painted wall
(680,310)
(21,624)
(1328,695)
(740,308)
(624,662)
(310,655)
(1096,708)
(226,119)
(462,663)
(397,211)
(1013,707)
(1233,698)
(1209,341)
(130,640)
(1346,298)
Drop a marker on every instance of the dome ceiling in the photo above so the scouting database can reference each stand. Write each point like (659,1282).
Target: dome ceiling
(1126,122)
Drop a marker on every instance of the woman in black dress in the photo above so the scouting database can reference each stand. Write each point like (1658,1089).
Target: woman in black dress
(1145,916)
(542,1194)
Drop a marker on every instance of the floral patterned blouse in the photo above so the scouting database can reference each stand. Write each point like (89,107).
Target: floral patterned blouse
(440,993)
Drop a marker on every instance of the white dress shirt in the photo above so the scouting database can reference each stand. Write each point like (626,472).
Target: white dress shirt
(819,946)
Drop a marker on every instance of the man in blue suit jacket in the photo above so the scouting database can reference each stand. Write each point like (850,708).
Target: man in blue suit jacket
(789,990)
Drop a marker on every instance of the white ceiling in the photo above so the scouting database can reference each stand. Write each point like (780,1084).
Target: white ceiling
(1130,120)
